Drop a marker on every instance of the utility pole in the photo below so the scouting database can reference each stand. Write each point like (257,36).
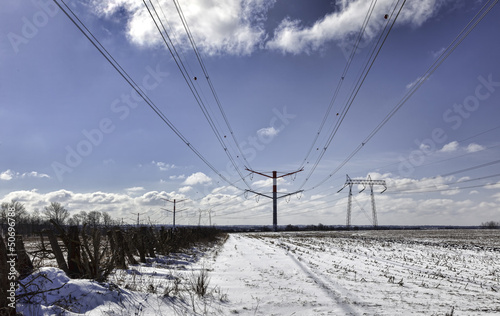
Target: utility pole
(175,202)
(275,197)
(350,182)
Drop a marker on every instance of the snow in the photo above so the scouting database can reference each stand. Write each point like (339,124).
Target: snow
(328,273)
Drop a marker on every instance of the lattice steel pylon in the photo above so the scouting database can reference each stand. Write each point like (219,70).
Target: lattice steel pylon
(350,182)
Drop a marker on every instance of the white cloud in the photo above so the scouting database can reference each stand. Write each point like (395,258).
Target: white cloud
(9,175)
(236,27)
(163,166)
(463,179)
(185,189)
(409,185)
(134,190)
(317,196)
(450,147)
(268,132)
(178,177)
(473,147)
(493,186)
(268,183)
(292,37)
(496,197)
(451,192)
(454,146)
(34,174)
(225,26)
(197,178)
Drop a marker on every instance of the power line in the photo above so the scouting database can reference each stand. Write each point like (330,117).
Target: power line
(458,182)
(451,47)
(371,60)
(342,78)
(180,65)
(88,34)
(207,77)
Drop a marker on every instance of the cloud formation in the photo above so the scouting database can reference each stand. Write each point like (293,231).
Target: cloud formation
(268,132)
(197,178)
(10,175)
(219,27)
(237,27)
(450,147)
(293,37)
(455,146)
(163,166)
(473,147)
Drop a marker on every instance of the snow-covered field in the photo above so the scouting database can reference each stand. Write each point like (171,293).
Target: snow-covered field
(331,273)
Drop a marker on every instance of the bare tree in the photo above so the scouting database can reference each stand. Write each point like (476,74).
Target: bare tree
(106,219)
(94,218)
(20,213)
(18,207)
(79,219)
(57,212)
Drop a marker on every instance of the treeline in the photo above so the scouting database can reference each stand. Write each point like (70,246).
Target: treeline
(490,224)
(321,227)
(93,252)
(30,223)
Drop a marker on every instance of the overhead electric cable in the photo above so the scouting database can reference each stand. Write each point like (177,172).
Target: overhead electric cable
(417,190)
(373,56)
(175,55)
(342,79)
(207,77)
(453,45)
(447,189)
(95,42)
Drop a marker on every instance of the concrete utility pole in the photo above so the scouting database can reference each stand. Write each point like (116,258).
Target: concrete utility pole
(275,197)
(350,182)
(175,202)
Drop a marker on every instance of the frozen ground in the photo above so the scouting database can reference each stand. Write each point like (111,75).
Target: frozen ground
(349,273)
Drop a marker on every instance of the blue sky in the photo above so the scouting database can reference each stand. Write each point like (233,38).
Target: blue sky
(73,131)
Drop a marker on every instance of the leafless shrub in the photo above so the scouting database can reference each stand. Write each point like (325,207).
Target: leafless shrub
(198,283)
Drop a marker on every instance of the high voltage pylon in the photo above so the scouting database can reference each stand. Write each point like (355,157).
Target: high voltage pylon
(209,212)
(275,197)
(173,212)
(350,182)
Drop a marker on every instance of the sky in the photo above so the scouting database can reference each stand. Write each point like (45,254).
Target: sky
(278,86)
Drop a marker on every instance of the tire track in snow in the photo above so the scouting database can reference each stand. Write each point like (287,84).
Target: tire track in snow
(338,296)
(341,296)
(253,269)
